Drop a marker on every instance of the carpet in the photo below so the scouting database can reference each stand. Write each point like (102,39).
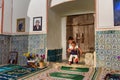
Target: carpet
(13,72)
(74,69)
(8,67)
(73,73)
(67,76)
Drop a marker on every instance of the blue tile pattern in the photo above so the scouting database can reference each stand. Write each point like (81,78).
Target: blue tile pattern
(28,43)
(22,43)
(19,43)
(108,48)
(4,48)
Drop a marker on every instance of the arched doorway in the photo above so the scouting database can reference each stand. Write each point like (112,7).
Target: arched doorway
(62,12)
(81,28)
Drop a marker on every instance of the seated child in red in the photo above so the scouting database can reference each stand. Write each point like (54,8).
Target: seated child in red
(73,52)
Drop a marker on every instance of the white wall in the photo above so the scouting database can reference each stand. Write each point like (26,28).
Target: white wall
(56,2)
(63,25)
(74,7)
(105,13)
(28,9)
(20,8)
(54,30)
(7,21)
(0,18)
(38,8)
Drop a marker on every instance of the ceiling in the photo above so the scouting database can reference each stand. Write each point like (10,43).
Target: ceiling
(77,6)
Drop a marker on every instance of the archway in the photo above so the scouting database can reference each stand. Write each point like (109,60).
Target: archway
(57,21)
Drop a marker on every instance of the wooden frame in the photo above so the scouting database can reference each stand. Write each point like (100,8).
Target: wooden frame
(13,57)
(37,23)
(20,25)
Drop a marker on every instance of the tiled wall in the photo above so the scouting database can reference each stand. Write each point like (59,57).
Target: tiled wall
(4,48)
(23,44)
(19,43)
(108,49)
(54,55)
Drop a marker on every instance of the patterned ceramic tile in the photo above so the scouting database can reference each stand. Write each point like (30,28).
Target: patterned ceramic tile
(109,47)
(54,55)
(108,64)
(4,48)
(100,46)
(22,44)
(101,63)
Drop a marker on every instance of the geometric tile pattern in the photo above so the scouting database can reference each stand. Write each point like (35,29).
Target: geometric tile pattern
(19,43)
(108,49)
(35,43)
(4,49)
(28,43)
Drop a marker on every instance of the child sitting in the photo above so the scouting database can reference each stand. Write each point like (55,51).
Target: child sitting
(74,52)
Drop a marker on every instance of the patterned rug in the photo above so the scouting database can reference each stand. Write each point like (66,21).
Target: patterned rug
(8,67)
(13,72)
(72,73)
(67,76)
(74,69)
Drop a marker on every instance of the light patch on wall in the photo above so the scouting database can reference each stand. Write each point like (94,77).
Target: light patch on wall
(104,13)
(0,3)
(56,2)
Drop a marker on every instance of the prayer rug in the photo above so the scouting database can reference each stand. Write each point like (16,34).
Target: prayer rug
(67,76)
(74,69)
(14,72)
(8,67)
(73,73)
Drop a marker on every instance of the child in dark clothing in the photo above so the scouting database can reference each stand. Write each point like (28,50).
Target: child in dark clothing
(73,52)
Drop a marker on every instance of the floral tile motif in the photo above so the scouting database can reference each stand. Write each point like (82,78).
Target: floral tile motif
(22,44)
(108,45)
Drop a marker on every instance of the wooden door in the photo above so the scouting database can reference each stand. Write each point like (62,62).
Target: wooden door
(81,27)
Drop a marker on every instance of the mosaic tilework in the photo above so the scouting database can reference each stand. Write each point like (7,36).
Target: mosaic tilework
(108,48)
(28,43)
(4,48)
(21,44)
(37,43)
